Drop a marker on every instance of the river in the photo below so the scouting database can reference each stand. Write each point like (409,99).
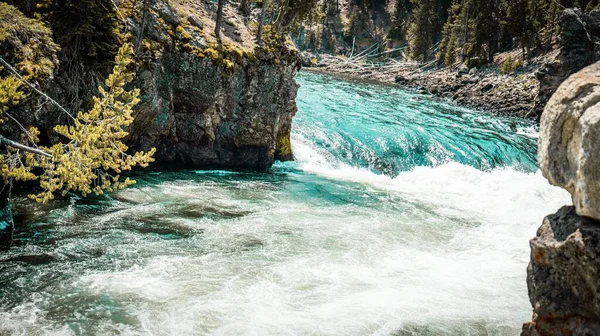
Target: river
(403,215)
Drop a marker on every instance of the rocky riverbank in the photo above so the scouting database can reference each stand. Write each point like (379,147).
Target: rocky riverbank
(562,276)
(486,89)
(522,93)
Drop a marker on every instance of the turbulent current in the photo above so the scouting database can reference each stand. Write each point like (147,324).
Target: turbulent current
(403,215)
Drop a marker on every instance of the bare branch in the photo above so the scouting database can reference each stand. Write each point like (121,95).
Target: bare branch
(25,148)
(21,126)
(11,69)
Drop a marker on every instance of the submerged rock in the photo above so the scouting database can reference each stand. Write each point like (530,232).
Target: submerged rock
(569,143)
(562,277)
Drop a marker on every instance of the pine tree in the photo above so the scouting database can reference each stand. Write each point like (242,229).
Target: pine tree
(485,28)
(399,22)
(518,27)
(452,34)
(94,156)
(86,30)
(421,30)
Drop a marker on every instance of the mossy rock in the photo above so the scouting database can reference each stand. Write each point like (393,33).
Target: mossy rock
(283,149)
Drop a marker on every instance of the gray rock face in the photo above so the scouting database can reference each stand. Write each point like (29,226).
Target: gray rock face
(569,143)
(199,107)
(562,277)
(578,32)
(197,114)
(204,112)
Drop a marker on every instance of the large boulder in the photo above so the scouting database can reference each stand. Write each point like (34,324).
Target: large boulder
(564,271)
(569,143)
(562,276)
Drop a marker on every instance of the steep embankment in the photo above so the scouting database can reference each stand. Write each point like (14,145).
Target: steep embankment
(204,102)
(562,276)
(522,94)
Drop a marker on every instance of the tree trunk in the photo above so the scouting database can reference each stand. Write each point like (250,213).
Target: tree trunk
(465,33)
(301,37)
(281,15)
(22,147)
(261,22)
(219,19)
(28,7)
(244,7)
(142,25)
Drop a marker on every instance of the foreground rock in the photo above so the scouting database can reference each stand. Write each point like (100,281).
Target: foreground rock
(569,144)
(562,276)
(564,271)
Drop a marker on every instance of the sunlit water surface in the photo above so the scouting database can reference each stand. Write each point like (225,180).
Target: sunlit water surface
(403,215)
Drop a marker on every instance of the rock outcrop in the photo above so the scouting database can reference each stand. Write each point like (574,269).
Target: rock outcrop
(579,33)
(205,103)
(200,115)
(209,104)
(564,271)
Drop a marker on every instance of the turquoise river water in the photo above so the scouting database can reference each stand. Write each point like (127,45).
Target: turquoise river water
(402,215)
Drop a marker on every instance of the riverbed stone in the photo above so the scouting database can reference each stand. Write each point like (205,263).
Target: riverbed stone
(562,276)
(569,143)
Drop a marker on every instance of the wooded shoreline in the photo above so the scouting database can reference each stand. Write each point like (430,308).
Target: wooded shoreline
(487,90)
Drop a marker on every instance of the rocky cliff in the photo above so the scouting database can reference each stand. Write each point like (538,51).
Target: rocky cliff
(205,102)
(211,105)
(563,274)
(578,48)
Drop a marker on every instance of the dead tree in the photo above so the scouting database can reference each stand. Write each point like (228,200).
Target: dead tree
(261,22)
(244,7)
(219,19)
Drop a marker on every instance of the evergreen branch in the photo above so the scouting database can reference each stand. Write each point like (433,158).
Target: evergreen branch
(16,73)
